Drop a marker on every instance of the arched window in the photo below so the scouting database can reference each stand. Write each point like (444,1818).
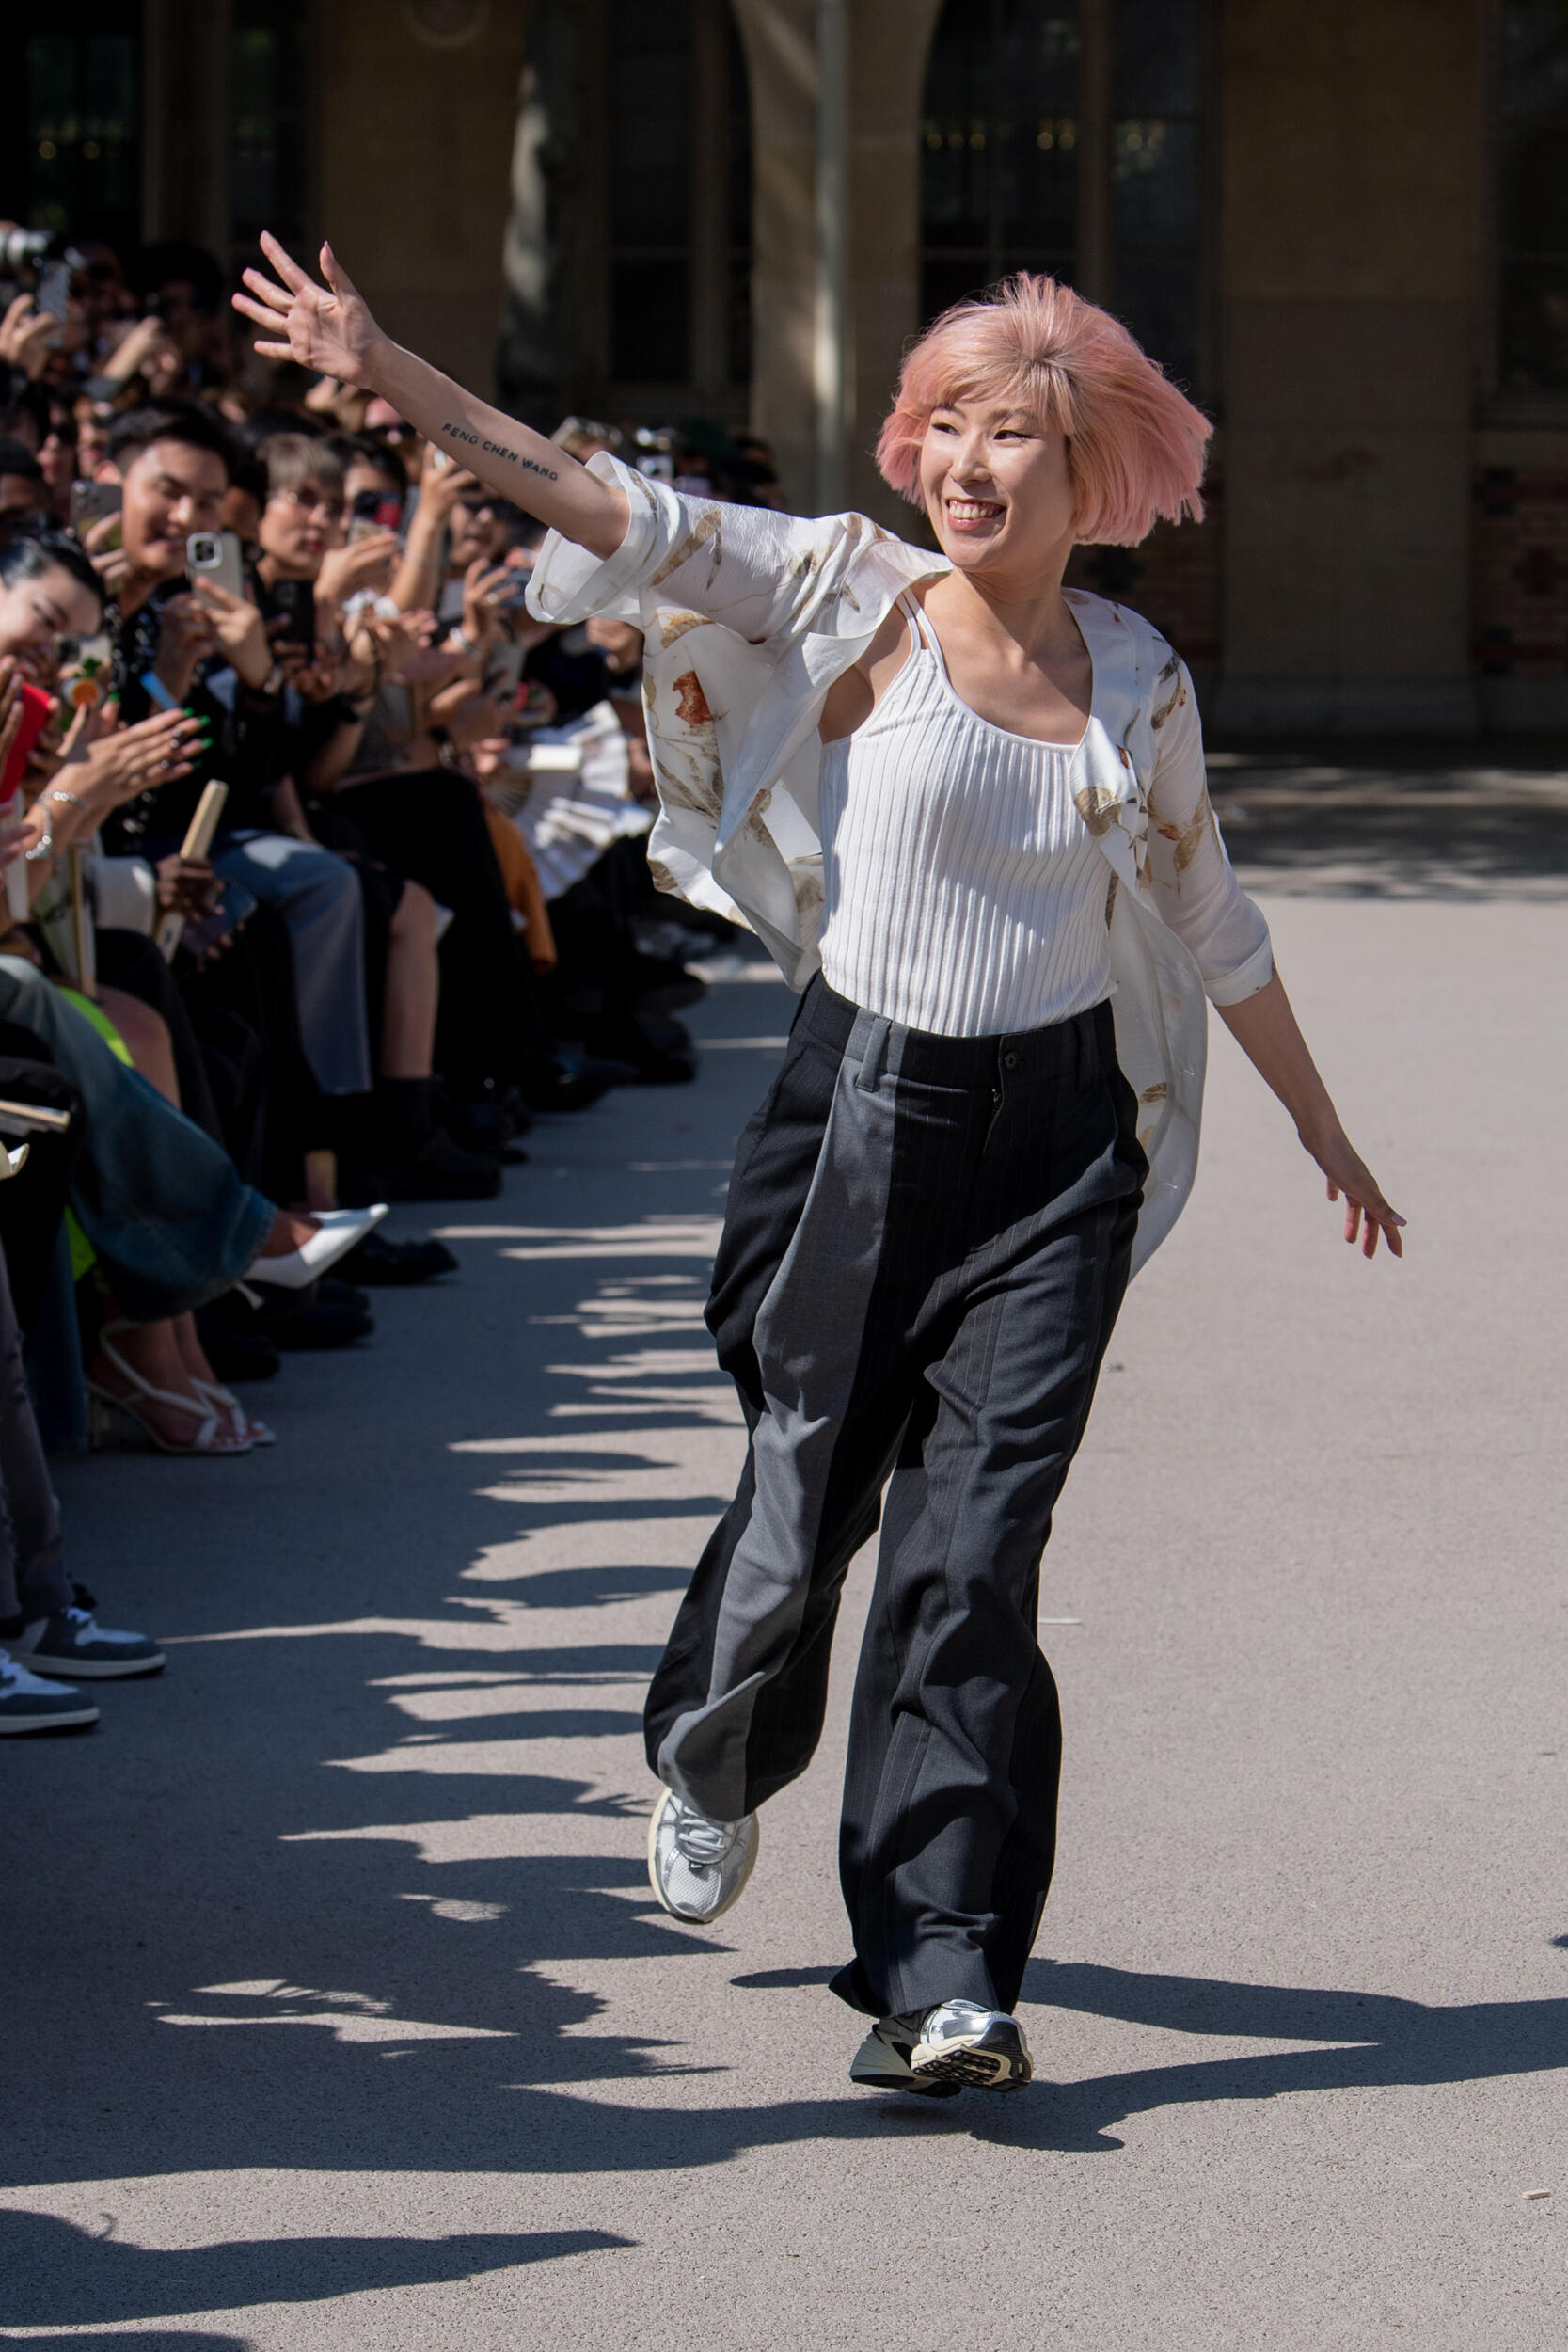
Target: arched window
(635,196)
(1534,199)
(70,126)
(1065,136)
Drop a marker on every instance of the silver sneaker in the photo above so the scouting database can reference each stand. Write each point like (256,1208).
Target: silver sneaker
(698,1868)
(961,2042)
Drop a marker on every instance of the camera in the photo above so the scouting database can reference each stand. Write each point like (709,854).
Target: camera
(39,262)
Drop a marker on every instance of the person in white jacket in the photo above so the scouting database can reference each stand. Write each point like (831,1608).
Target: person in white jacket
(965,809)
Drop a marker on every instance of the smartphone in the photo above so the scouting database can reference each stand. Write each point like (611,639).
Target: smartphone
(54,290)
(295,599)
(374,510)
(92,501)
(215,555)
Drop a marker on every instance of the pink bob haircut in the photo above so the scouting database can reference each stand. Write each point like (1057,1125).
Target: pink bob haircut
(1136,445)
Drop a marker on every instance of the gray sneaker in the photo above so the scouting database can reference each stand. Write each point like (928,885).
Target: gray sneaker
(27,1703)
(698,1868)
(961,2042)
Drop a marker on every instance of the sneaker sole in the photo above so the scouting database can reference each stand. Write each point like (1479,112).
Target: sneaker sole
(998,2059)
(874,2068)
(70,1719)
(695,1919)
(93,1669)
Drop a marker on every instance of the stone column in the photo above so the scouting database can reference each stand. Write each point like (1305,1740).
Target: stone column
(779,39)
(888,43)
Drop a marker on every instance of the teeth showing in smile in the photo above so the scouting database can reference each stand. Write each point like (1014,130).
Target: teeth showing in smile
(971,510)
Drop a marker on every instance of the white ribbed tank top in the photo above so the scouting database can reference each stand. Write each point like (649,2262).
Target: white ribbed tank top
(964,893)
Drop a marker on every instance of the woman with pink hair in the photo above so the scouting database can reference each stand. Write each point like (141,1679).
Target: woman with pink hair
(964,807)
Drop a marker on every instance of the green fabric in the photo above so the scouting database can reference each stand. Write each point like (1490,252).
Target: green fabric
(83,1256)
(100,1021)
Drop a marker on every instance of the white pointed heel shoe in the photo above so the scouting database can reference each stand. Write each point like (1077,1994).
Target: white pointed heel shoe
(338,1231)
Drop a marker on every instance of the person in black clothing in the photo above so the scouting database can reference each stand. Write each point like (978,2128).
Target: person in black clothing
(211,650)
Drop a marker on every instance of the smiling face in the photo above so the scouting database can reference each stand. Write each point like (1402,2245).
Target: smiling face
(35,613)
(299,525)
(997,485)
(171,490)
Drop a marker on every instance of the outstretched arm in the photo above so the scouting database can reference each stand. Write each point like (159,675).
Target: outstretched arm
(330,329)
(1265,1028)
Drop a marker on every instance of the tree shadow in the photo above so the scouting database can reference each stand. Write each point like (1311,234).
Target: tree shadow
(1414,821)
(58,2275)
(1382,2042)
(173,2340)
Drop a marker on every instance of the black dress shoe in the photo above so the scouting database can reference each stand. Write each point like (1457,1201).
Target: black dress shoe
(380,1262)
(440,1169)
(236,1354)
(323,1324)
(573,1082)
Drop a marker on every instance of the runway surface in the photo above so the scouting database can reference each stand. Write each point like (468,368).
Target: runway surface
(339,2014)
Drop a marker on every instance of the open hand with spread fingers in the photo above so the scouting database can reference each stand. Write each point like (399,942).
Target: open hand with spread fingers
(328,327)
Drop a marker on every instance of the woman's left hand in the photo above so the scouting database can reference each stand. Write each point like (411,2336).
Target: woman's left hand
(1366,1212)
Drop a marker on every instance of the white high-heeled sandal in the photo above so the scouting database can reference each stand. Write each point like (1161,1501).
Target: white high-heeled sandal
(215,1435)
(226,1402)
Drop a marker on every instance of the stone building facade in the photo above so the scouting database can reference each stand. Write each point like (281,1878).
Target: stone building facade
(1345,227)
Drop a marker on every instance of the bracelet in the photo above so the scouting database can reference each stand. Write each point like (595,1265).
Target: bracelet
(458,636)
(43,849)
(72,800)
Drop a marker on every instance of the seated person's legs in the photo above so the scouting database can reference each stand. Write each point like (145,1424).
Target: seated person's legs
(317,893)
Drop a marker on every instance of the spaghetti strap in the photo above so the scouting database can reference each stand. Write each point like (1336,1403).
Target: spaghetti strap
(911,611)
(925,634)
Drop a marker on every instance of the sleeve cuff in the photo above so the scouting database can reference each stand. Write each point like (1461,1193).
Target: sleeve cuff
(1234,988)
(568,584)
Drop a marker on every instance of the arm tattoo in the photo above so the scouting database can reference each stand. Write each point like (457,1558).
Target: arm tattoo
(498,449)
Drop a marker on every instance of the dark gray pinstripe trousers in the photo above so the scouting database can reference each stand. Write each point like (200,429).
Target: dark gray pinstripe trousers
(925,1250)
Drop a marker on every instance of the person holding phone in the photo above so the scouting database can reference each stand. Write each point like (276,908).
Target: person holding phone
(208,647)
(330,687)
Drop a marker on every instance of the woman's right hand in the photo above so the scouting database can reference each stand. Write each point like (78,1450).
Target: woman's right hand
(327,328)
(118,766)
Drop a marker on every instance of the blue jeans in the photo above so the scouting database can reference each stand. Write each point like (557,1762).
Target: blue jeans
(161,1204)
(317,893)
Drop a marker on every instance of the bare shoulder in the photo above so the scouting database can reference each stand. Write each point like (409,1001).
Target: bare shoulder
(853,697)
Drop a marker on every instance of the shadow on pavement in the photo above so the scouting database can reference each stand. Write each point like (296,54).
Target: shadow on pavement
(58,2275)
(319,1903)
(176,2340)
(1382,2042)
(1395,821)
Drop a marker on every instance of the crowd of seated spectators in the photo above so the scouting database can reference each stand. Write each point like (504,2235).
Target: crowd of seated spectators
(235,1025)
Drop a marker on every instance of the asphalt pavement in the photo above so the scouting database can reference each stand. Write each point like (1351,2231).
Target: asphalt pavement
(339,2014)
